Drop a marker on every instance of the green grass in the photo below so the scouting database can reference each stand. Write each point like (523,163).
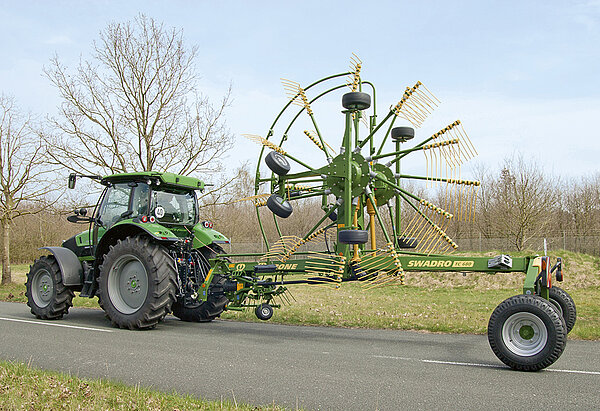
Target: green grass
(22,387)
(448,310)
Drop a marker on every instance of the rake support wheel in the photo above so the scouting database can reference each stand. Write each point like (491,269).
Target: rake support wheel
(277,163)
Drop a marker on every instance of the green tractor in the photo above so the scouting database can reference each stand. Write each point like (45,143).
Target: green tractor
(145,254)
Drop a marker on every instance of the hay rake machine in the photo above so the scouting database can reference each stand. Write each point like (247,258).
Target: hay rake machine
(365,197)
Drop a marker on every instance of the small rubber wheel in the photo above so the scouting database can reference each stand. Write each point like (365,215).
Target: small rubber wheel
(353,236)
(407,242)
(46,295)
(333,216)
(277,163)
(264,312)
(278,206)
(527,333)
(403,134)
(356,101)
(564,304)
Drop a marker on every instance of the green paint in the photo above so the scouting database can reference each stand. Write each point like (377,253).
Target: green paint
(526,332)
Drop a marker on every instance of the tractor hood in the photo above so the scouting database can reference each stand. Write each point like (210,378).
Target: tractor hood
(204,236)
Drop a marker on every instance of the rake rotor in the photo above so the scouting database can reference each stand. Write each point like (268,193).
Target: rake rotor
(350,182)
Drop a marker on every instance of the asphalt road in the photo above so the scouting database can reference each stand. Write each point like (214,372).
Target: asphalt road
(309,367)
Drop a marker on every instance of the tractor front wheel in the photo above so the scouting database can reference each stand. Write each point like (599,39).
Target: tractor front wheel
(137,283)
(527,333)
(46,295)
(210,309)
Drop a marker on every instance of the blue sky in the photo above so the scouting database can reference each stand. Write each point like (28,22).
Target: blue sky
(521,75)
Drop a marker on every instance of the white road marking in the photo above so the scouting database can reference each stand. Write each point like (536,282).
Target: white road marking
(470,364)
(574,371)
(56,325)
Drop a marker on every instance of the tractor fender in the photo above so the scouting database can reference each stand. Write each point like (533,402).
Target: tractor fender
(206,236)
(128,229)
(70,266)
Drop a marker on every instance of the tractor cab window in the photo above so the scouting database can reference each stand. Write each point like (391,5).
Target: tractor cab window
(173,207)
(139,202)
(115,204)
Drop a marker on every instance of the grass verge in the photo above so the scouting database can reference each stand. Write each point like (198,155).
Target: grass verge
(22,387)
(455,310)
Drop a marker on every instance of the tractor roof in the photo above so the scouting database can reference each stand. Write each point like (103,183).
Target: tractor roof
(168,179)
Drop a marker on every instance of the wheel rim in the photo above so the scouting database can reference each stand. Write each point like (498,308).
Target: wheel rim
(524,334)
(127,284)
(265,311)
(42,288)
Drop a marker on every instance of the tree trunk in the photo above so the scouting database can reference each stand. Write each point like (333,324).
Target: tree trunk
(6,275)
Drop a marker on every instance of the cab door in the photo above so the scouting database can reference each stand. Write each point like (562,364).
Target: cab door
(115,206)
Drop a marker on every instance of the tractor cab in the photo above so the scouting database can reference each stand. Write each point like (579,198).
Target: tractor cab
(161,205)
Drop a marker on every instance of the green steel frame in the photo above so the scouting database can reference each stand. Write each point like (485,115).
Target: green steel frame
(350,177)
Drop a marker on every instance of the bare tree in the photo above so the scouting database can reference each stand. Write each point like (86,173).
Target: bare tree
(24,180)
(519,203)
(135,106)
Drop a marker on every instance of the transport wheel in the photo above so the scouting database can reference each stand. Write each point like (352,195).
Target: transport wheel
(46,295)
(564,304)
(353,236)
(203,311)
(264,312)
(137,283)
(526,333)
(277,163)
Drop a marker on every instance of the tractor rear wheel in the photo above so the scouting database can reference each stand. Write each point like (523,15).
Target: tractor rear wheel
(137,283)
(46,295)
(210,309)
(527,333)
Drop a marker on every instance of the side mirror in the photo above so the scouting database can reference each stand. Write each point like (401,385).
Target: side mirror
(72,179)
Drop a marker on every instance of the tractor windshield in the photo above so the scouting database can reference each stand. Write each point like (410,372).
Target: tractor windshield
(171,207)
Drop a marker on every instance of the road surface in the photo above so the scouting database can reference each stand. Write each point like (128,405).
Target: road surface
(308,367)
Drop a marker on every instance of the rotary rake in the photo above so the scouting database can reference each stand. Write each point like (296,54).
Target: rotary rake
(379,227)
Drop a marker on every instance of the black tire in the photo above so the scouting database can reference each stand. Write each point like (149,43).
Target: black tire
(278,206)
(564,304)
(356,101)
(407,242)
(204,311)
(353,236)
(526,333)
(46,295)
(277,163)
(403,134)
(263,312)
(137,283)
(333,216)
